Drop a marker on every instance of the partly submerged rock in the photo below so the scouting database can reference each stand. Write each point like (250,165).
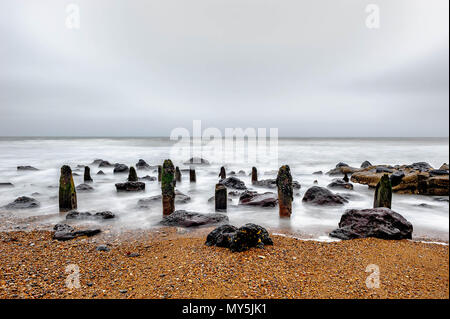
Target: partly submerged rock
(196,161)
(120,168)
(147,178)
(239,239)
(272,183)
(26,168)
(84,188)
(252,198)
(130,187)
(180,198)
(184,218)
(105,164)
(366,164)
(381,223)
(233,182)
(89,216)
(340,183)
(67,232)
(6,185)
(317,195)
(100,172)
(23,202)
(341,169)
(318,173)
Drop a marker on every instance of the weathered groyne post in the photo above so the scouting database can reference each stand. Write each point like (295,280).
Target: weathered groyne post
(192,177)
(222,173)
(132,176)
(220,197)
(254,175)
(67,192)
(168,187)
(285,191)
(87,174)
(346,179)
(177,174)
(383,193)
(159,172)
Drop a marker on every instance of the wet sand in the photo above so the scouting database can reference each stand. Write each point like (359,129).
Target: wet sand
(167,263)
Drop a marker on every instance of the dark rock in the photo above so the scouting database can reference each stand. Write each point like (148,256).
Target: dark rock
(147,178)
(234,193)
(420,166)
(340,183)
(233,182)
(438,172)
(26,168)
(383,193)
(444,167)
(6,185)
(316,195)
(120,168)
(232,173)
(184,218)
(196,161)
(141,164)
(66,232)
(130,187)
(425,205)
(100,172)
(221,236)
(252,198)
(89,216)
(441,199)
(366,164)
(23,202)
(97,162)
(239,239)
(105,164)
(180,198)
(341,164)
(382,169)
(380,223)
(272,183)
(396,178)
(241,173)
(102,248)
(318,173)
(84,188)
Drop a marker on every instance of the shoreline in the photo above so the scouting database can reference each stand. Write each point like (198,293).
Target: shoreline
(172,263)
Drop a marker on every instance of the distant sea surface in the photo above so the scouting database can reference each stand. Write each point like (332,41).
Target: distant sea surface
(304,155)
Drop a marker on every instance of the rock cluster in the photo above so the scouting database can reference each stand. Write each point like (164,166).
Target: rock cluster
(239,239)
(89,216)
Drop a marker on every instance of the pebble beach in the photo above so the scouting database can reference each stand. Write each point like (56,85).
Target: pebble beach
(172,263)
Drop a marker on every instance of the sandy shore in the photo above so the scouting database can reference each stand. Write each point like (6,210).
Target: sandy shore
(167,264)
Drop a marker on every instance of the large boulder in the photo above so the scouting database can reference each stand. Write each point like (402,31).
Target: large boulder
(196,161)
(67,232)
(233,182)
(239,239)
(340,183)
(377,222)
(182,218)
(317,195)
(89,216)
(252,198)
(180,198)
(130,187)
(23,202)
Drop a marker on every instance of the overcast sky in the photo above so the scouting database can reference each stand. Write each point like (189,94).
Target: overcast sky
(142,68)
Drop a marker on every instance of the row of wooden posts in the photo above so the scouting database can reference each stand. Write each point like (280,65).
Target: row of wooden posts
(168,176)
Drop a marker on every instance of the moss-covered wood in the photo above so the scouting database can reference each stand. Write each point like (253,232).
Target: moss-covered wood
(168,187)
(159,172)
(67,192)
(285,191)
(222,173)
(132,175)
(383,193)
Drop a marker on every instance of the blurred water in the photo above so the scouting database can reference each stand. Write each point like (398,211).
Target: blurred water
(303,155)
